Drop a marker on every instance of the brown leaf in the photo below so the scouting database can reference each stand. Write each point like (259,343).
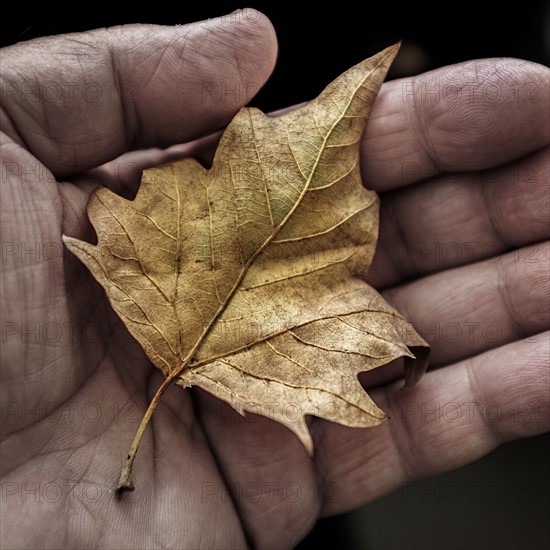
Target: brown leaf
(245,279)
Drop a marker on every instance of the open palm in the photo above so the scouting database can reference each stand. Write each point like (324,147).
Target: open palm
(461,156)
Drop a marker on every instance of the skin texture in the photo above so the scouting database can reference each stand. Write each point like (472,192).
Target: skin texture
(465,171)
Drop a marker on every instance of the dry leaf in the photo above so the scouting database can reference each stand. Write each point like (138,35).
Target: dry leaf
(245,279)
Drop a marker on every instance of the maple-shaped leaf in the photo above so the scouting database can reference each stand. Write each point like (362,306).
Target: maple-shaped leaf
(246,279)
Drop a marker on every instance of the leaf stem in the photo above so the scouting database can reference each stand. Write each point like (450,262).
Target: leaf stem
(125,480)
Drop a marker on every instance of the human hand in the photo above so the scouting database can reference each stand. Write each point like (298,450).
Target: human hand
(204,475)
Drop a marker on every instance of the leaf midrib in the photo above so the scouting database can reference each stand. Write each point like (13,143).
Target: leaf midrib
(266,243)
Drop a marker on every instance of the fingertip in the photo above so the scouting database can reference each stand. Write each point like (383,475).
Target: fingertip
(251,31)
(255,29)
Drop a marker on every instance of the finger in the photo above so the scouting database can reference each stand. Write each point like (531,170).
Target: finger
(453,416)
(456,219)
(471,309)
(77,101)
(469,116)
(123,174)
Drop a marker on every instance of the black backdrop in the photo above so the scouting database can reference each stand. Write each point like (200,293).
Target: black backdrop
(315,45)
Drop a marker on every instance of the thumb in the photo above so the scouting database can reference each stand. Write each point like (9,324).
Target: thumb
(78,100)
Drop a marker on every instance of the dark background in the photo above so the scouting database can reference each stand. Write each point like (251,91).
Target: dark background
(316,45)
(502,501)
